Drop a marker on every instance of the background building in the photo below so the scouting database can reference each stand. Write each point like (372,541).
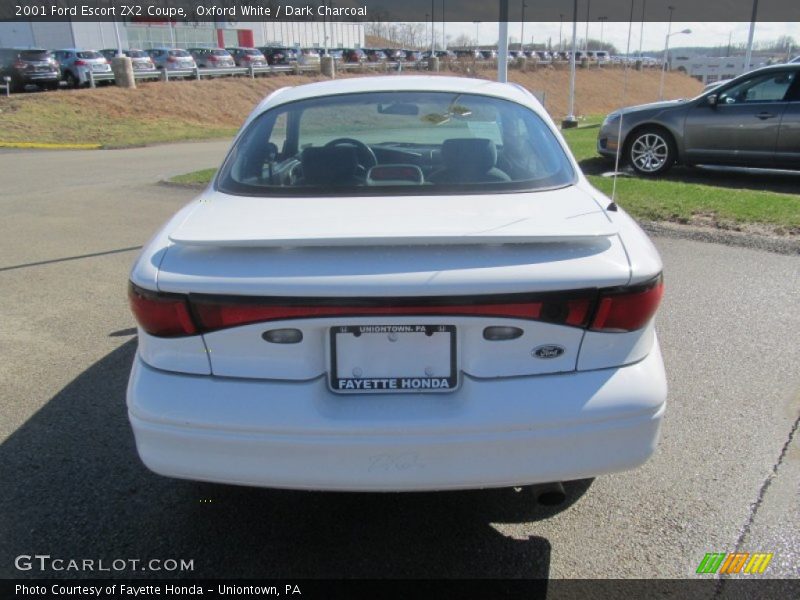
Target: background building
(95,35)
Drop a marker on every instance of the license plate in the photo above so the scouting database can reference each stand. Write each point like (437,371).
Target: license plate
(393,358)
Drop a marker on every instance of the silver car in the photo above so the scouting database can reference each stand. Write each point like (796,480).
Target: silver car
(171,59)
(752,120)
(76,65)
(140,60)
(212,58)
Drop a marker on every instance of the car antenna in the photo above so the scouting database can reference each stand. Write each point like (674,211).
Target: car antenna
(613,206)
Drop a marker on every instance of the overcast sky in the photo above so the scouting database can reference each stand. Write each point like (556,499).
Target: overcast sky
(703,34)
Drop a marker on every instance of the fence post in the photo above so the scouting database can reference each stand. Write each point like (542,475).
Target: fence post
(164,74)
(91,79)
(197,72)
(251,72)
(7,79)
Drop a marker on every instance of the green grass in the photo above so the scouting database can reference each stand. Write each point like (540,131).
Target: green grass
(43,118)
(719,198)
(715,201)
(198,178)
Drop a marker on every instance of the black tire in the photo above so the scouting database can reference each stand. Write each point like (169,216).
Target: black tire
(72,81)
(650,151)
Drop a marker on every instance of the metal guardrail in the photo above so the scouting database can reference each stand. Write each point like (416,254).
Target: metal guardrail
(208,73)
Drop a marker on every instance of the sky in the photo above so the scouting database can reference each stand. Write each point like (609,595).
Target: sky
(703,34)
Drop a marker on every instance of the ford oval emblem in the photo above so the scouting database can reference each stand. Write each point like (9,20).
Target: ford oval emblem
(548,351)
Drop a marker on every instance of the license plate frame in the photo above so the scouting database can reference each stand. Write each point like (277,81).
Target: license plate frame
(395,383)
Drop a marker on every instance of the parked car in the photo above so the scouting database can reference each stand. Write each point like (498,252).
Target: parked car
(489,54)
(544,56)
(76,64)
(752,120)
(300,326)
(602,57)
(279,55)
(248,57)
(140,60)
(336,53)
(29,67)
(172,59)
(413,56)
(395,55)
(353,55)
(468,54)
(212,58)
(309,57)
(374,55)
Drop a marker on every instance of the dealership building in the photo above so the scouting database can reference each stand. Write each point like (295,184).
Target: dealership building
(96,35)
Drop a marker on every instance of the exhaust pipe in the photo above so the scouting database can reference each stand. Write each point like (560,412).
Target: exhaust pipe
(551,494)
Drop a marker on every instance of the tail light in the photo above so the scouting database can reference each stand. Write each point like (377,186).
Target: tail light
(81,63)
(172,59)
(608,310)
(163,315)
(627,309)
(20,64)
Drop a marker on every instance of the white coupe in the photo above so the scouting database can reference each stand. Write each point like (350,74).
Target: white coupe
(397,283)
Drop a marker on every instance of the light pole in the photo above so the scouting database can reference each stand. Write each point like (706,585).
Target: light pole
(477,34)
(433,33)
(665,66)
(560,28)
(502,50)
(586,42)
(444,39)
(570,120)
(641,29)
(602,23)
(522,29)
(749,54)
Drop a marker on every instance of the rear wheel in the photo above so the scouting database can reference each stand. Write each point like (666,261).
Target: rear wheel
(72,81)
(651,151)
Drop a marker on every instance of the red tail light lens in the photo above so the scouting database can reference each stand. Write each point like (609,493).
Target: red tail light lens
(215,314)
(80,63)
(163,315)
(628,309)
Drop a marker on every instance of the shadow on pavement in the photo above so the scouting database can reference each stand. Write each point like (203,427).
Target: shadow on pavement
(75,488)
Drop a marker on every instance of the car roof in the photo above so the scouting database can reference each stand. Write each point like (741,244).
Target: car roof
(412,83)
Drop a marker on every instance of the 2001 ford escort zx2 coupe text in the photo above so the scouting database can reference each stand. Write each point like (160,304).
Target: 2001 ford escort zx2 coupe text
(397,283)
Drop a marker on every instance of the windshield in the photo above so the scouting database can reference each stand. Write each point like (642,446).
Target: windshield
(136,54)
(35,55)
(403,142)
(181,53)
(89,54)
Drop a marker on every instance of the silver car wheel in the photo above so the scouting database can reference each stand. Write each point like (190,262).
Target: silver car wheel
(649,152)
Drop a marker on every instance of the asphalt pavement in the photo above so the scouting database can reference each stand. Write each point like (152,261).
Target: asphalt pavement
(725,477)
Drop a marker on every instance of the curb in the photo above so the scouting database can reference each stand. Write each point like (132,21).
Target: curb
(715,236)
(49,146)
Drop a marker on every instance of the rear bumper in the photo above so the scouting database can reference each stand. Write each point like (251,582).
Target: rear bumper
(488,433)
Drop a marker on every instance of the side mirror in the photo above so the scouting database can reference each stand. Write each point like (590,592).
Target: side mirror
(712,100)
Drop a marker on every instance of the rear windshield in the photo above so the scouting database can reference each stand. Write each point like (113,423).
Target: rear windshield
(251,51)
(89,54)
(35,55)
(137,54)
(220,52)
(182,53)
(408,143)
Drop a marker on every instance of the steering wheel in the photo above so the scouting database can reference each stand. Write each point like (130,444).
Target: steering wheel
(366,157)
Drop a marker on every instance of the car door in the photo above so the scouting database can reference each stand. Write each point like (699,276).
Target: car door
(787,150)
(741,128)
